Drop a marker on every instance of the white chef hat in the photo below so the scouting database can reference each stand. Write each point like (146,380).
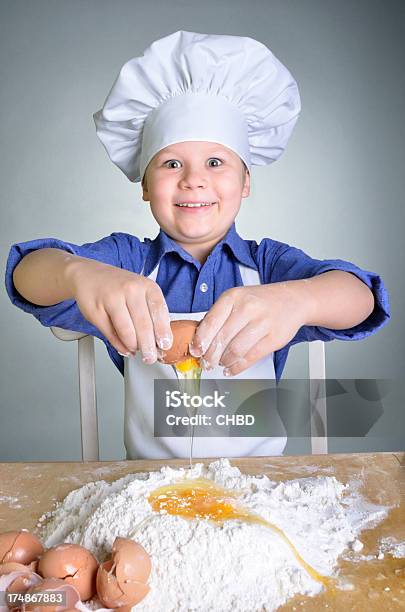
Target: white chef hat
(204,87)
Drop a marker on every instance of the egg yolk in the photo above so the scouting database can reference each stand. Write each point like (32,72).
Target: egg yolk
(186,365)
(198,498)
(201,498)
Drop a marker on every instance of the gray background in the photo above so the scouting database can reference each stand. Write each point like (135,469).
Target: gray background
(335,193)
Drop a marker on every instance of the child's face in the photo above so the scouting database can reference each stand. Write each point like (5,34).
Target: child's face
(195,172)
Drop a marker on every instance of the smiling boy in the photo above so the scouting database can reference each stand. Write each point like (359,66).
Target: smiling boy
(192,172)
(192,150)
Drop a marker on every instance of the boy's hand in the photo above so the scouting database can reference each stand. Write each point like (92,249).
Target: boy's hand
(129,309)
(247,323)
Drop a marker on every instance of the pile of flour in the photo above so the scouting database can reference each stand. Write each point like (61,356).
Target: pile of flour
(201,566)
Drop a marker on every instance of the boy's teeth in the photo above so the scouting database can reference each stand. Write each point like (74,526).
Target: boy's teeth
(197,204)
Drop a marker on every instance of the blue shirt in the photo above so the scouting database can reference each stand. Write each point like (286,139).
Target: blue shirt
(180,278)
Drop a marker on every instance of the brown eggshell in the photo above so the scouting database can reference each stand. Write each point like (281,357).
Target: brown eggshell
(135,592)
(7,568)
(53,584)
(18,581)
(23,582)
(132,561)
(7,540)
(108,590)
(183,333)
(19,547)
(75,564)
(114,594)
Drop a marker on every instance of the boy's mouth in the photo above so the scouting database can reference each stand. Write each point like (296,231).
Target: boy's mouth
(194,206)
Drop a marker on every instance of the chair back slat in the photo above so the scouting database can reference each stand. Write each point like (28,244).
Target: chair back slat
(317,395)
(87,390)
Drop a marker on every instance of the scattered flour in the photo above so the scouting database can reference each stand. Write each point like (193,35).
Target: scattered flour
(392,547)
(356,546)
(10,501)
(198,566)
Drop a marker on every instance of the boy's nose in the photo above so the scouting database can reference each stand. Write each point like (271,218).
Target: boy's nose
(193,180)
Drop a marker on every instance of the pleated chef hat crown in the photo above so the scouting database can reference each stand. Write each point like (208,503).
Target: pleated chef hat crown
(205,87)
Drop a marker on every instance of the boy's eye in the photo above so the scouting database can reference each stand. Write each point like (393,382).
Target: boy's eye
(176,161)
(172,161)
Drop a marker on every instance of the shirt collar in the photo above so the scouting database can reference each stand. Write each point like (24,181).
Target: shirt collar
(163,244)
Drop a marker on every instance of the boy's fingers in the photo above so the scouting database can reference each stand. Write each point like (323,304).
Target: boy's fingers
(210,326)
(243,341)
(261,349)
(105,325)
(124,327)
(159,313)
(226,336)
(144,331)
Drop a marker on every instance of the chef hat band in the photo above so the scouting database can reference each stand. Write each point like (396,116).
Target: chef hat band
(203,118)
(190,86)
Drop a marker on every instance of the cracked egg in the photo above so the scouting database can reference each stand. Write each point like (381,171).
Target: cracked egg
(178,354)
(72,563)
(121,580)
(19,547)
(52,585)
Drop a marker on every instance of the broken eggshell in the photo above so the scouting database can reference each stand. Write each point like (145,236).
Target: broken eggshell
(53,585)
(131,559)
(16,582)
(7,568)
(19,547)
(121,581)
(72,563)
(183,333)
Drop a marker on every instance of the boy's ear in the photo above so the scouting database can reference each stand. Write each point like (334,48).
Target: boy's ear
(246,186)
(145,193)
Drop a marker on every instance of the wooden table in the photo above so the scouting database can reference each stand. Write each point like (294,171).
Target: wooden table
(27,490)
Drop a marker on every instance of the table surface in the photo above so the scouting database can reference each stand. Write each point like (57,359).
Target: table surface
(28,490)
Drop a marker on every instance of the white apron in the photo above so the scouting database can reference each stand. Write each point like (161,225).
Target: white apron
(139,440)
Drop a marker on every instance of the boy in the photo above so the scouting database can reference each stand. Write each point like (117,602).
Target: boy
(190,100)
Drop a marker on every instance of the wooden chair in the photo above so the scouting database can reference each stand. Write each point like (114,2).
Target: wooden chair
(88,397)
